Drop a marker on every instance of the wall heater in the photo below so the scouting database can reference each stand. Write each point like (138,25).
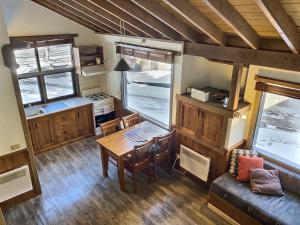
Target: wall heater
(14,183)
(194,162)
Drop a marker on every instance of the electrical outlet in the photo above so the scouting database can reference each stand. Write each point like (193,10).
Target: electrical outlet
(15,147)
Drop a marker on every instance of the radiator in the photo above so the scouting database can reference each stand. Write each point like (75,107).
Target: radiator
(14,183)
(194,162)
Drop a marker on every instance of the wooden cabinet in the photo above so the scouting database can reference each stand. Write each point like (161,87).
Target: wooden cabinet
(202,127)
(84,125)
(200,123)
(59,128)
(41,131)
(65,126)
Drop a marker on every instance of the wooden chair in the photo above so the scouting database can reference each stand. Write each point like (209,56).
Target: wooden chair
(131,120)
(110,127)
(139,160)
(162,150)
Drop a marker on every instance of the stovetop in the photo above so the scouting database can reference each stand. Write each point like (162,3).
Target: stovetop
(98,97)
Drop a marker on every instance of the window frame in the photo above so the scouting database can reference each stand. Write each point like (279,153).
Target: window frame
(257,113)
(156,122)
(40,75)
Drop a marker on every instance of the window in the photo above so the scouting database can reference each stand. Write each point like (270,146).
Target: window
(45,73)
(278,128)
(148,89)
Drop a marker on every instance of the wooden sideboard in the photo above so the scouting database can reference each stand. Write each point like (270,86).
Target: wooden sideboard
(202,127)
(52,130)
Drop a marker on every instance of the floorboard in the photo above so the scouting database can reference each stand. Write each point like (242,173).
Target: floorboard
(76,193)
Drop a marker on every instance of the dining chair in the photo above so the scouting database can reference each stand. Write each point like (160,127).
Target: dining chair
(162,150)
(131,120)
(140,159)
(110,127)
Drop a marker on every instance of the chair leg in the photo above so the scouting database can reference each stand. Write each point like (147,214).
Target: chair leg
(134,181)
(149,173)
(170,164)
(155,169)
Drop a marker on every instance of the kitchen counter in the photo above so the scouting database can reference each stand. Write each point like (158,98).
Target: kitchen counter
(57,106)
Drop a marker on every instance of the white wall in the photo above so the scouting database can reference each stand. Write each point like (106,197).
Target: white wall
(11,131)
(26,18)
(113,79)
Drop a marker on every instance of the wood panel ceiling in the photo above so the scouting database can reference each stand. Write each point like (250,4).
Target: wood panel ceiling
(257,24)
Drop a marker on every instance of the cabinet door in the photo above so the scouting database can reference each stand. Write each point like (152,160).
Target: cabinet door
(84,121)
(212,127)
(44,133)
(65,126)
(32,130)
(190,119)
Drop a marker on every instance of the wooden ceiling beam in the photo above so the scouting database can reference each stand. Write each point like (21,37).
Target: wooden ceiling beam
(168,18)
(282,22)
(234,19)
(146,18)
(70,9)
(101,12)
(70,16)
(112,9)
(82,10)
(280,60)
(199,20)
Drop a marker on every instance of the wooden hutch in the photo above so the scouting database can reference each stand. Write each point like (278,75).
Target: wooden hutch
(205,126)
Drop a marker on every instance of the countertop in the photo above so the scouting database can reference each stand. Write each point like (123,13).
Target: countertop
(69,104)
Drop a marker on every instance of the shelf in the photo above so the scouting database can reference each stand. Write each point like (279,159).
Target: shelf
(215,107)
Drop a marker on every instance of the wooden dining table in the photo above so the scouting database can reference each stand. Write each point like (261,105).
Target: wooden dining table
(120,144)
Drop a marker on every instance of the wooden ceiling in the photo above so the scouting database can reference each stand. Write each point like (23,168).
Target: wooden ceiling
(256,24)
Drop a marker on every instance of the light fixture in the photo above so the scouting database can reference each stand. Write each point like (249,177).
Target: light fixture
(122,65)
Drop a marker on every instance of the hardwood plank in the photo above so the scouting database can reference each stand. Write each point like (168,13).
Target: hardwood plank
(74,192)
(232,17)
(285,26)
(146,18)
(280,60)
(234,92)
(194,16)
(112,9)
(99,11)
(169,19)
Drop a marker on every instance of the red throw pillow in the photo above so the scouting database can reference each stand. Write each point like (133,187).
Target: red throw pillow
(245,164)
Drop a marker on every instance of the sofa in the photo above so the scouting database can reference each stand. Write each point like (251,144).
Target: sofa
(236,200)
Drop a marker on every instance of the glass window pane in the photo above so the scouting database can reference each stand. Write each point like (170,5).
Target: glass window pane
(30,90)
(278,128)
(58,85)
(55,57)
(26,60)
(149,88)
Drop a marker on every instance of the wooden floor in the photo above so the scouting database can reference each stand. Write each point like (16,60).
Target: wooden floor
(75,192)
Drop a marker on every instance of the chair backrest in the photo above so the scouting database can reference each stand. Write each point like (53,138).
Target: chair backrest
(110,127)
(163,143)
(142,153)
(131,120)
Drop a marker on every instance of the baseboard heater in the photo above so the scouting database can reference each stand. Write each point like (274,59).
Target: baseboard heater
(14,183)
(194,162)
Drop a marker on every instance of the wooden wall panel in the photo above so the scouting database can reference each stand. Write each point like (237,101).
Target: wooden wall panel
(14,160)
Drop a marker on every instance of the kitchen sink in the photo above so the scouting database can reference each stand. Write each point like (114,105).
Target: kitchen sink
(33,111)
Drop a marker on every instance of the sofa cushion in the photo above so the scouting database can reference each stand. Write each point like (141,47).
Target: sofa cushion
(245,164)
(234,163)
(271,210)
(264,181)
(290,181)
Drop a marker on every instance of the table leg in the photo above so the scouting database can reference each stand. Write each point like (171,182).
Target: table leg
(121,174)
(104,160)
